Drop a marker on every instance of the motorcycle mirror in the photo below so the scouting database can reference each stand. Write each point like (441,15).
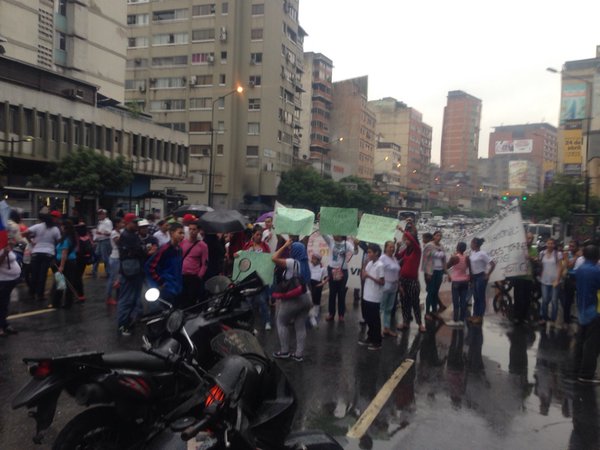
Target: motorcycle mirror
(152,295)
(175,321)
(244,265)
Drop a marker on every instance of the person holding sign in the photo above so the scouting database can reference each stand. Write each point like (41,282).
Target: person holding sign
(410,288)
(434,266)
(337,271)
(479,261)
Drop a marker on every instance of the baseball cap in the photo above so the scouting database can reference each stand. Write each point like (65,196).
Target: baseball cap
(189,217)
(130,217)
(101,211)
(56,214)
(143,223)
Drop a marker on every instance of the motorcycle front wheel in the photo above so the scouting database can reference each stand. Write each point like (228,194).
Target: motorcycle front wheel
(95,429)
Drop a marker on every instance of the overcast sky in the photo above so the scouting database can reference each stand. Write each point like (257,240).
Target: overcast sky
(417,51)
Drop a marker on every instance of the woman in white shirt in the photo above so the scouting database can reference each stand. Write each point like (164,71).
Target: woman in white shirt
(481,265)
(391,270)
(551,261)
(337,271)
(10,273)
(374,277)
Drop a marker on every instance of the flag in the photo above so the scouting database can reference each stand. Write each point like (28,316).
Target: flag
(4,215)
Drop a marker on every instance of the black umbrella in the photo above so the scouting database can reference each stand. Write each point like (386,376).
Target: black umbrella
(223,221)
(196,210)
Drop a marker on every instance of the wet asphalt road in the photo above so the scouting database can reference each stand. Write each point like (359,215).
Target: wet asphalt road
(493,387)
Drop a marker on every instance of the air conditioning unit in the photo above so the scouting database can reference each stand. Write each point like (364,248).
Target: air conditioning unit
(142,89)
(193,80)
(223,34)
(137,61)
(75,93)
(210,59)
(152,81)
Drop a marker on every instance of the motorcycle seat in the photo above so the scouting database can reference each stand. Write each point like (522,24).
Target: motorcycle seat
(134,360)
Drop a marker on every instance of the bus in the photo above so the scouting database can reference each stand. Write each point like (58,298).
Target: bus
(408,214)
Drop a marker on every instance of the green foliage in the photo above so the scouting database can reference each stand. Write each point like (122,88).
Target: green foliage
(303,187)
(565,197)
(86,172)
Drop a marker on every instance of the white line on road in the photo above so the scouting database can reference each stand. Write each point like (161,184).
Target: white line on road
(30,313)
(368,416)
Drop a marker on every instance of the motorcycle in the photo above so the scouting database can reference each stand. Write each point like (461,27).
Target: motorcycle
(142,392)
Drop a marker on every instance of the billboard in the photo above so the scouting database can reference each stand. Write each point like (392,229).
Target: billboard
(513,146)
(572,145)
(573,102)
(517,175)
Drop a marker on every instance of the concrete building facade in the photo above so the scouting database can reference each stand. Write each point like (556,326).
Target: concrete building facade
(83,39)
(184,63)
(352,119)
(399,123)
(460,135)
(536,144)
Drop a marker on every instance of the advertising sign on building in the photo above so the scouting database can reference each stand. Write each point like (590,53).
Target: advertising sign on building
(572,147)
(573,102)
(513,146)
(517,175)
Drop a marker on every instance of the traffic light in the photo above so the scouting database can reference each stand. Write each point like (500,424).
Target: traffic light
(524,198)
(504,198)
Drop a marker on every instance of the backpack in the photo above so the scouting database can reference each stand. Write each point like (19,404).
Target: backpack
(85,252)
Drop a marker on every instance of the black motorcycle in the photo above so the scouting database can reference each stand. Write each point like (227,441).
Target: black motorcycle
(141,392)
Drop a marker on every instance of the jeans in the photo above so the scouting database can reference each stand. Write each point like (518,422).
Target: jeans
(479,285)
(549,297)
(129,306)
(293,311)
(103,251)
(459,299)
(262,301)
(523,289)
(433,288)
(113,276)
(568,297)
(40,263)
(587,349)
(337,290)
(6,288)
(70,273)
(373,319)
(387,303)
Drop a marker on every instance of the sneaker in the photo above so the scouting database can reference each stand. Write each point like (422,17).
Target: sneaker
(453,323)
(374,347)
(313,322)
(268,326)
(340,318)
(588,380)
(124,331)
(364,342)
(329,319)
(297,358)
(111,301)
(422,329)
(80,299)
(281,355)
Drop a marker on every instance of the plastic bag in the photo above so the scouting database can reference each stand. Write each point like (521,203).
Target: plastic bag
(61,283)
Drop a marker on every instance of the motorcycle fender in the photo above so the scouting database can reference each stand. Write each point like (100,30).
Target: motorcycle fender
(37,390)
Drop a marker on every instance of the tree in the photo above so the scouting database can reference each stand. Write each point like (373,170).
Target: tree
(87,172)
(303,187)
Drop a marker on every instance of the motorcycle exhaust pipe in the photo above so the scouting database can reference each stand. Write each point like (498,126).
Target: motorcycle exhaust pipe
(89,394)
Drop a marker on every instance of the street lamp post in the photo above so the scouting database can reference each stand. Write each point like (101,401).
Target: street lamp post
(588,120)
(238,90)
(12,141)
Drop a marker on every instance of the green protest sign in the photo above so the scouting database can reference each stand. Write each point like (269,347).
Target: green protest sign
(376,229)
(338,221)
(260,263)
(294,221)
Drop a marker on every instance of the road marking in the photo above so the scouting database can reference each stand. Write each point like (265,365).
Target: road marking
(31,313)
(368,416)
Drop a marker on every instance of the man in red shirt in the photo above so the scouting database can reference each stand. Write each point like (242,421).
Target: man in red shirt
(410,259)
(195,262)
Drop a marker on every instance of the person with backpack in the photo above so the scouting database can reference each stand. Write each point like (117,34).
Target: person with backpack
(551,262)
(66,263)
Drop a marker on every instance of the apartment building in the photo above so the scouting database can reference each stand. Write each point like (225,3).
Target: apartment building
(352,120)
(526,156)
(460,136)
(81,39)
(229,74)
(399,123)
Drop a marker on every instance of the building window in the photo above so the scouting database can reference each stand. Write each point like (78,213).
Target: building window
(200,103)
(223,57)
(177,126)
(204,34)
(136,63)
(135,85)
(170,61)
(258,9)
(203,150)
(203,10)
(254,128)
(61,41)
(200,127)
(138,1)
(254,104)
(137,42)
(170,14)
(220,150)
(203,58)
(222,78)
(167,105)
(138,19)
(256,58)
(220,102)
(170,39)
(255,80)
(256,34)
(171,82)
(220,127)
(62,7)
(204,80)
(225,8)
